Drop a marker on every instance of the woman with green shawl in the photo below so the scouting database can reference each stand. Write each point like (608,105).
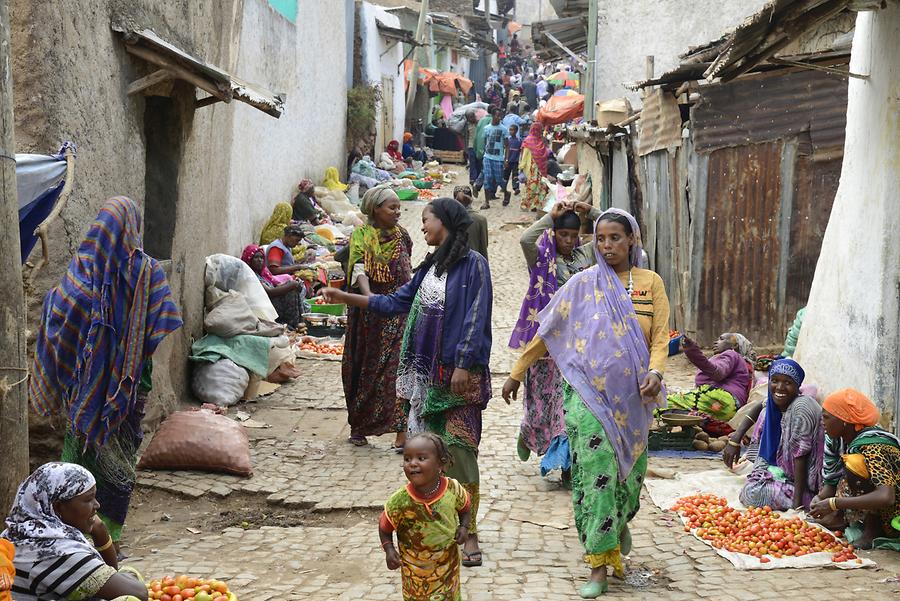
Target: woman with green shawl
(379,263)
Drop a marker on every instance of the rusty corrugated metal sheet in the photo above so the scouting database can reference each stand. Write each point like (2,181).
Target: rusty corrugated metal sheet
(660,123)
(738,291)
(815,185)
(769,107)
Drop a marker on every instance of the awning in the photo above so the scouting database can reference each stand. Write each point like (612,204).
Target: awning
(395,33)
(175,63)
(560,38)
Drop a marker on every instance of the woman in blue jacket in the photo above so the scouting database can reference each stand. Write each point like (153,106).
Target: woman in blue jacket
(443,375)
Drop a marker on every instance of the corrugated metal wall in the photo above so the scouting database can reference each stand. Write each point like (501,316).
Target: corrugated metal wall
(733,220)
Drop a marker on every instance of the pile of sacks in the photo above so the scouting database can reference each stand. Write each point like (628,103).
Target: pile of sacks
(243,344)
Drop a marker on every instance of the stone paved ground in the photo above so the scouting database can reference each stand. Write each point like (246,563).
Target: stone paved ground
(304,525)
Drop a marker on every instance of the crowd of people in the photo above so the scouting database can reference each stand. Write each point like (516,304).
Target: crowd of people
(593,336)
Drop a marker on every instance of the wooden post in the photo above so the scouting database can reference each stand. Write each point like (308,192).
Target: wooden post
(13,381)
(590,77)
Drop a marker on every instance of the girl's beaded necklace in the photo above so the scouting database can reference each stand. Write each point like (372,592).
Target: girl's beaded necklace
(434,490)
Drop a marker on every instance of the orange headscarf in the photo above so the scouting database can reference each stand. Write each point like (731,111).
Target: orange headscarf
(853,407)
(7,569)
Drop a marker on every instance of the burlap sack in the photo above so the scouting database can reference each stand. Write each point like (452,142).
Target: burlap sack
(199,440)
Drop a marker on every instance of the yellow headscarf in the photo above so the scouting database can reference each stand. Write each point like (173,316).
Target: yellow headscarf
(332,180)
(856,463)
(274,228)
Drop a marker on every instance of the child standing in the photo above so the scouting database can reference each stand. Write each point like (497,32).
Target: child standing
(511,163)
(431,517)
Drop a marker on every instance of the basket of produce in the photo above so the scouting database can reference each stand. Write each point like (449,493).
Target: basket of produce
(675,439)
(321,348)
(320,306)
(186,587)
(675,339)
(679,417)
(408,194)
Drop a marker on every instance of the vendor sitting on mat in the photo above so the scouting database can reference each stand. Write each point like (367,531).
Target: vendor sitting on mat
(861,471)
(723,381)
(279,254)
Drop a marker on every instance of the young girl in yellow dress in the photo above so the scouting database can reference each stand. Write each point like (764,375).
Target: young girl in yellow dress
(431,518)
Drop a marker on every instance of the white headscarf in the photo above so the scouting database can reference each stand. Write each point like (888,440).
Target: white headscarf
(33,525)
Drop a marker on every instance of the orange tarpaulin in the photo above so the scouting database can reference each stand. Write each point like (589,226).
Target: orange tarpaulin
(441,82)
(513,27)
(560,109)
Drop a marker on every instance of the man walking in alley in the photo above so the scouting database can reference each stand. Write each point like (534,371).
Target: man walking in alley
(495,136)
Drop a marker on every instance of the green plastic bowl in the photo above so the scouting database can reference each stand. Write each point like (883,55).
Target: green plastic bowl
(422,185)
(335,309)
(407,194)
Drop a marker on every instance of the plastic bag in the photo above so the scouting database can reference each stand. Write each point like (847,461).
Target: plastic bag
(221,383)
(224,273)
(199,440)
(353,194)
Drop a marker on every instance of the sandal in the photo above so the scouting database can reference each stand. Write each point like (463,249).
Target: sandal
(472,560)
(358,441)
(593,589)
(397,449)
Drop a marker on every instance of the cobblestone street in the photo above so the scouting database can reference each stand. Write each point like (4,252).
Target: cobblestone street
(304,526)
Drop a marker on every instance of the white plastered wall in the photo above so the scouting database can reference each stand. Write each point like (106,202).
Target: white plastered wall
(380,59)
(850,335)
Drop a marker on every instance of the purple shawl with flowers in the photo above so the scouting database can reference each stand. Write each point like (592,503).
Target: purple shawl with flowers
(591,330)
(541,287)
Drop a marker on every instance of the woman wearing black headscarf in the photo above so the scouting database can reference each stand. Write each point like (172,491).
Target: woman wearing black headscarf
(443,374)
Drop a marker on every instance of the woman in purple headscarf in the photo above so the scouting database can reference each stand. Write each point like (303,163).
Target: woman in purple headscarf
(787,472)
(552,252)
(607,331)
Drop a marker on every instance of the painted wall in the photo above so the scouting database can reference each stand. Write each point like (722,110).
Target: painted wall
(850,334)
(630,31)
(380,59)
(309,136)
(70,76)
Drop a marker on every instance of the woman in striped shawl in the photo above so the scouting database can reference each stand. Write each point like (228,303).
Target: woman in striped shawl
(99,328)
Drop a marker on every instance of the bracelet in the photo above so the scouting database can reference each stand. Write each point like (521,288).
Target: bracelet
(656,373)
(733,444)
(832,502)
(106,545)
(747,416)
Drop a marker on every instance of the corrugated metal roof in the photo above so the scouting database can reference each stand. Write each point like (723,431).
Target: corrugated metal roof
(769,107)
(571,32)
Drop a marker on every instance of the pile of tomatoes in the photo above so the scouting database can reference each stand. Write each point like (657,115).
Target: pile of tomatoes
(323,349)
(182,588)
(758,531)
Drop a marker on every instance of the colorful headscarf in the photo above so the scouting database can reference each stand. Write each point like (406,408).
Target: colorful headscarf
(407,137)
(852,406)
(457,220)
(535,144)
(306,186)
(33,525)
(98,326)
(856,463)
(742,345)
(332,180)
(393,150)
(274,228)
(770,441)
(591,330)
(265,274)
(542,285)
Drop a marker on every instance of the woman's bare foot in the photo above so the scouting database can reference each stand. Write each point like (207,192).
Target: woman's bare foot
(400,441)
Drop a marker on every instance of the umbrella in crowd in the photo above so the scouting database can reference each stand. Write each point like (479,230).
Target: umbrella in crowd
(566,79)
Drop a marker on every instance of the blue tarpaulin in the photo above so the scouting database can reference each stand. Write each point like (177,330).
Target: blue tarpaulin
(39,181)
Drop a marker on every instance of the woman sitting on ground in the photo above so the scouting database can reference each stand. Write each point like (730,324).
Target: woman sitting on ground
(861,474)
(723,381)
(284,291)
(63,550)
(788,471)
(306,207)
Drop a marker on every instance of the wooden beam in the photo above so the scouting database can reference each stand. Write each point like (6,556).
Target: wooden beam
(139,85)
(206,102)
(179,71)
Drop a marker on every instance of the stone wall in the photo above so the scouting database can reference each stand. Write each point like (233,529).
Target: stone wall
(232,163)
